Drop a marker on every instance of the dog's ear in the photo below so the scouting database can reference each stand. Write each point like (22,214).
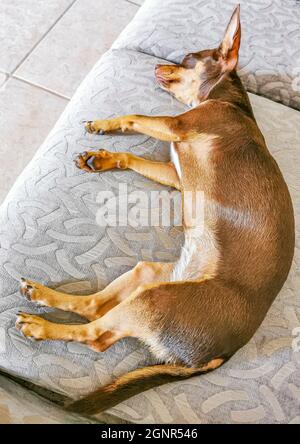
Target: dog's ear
(230,45)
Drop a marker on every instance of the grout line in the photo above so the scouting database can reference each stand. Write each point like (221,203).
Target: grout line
(40,87)
(21,79)
(133,3)
(3,84)
(43,36)
(12,75)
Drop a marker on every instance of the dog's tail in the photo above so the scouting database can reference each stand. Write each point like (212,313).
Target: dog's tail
(133,383)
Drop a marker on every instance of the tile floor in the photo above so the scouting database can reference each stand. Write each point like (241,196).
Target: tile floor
(47,47)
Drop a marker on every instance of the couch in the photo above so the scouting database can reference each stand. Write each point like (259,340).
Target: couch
(48,229)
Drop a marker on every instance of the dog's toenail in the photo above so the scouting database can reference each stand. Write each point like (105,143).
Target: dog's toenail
(23,280)
(90,163)
(101,132)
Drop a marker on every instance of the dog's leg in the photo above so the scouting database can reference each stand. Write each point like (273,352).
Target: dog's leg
(161,127)
(122,321)
(96,161)
(94,306)
(151,313)
(97,335)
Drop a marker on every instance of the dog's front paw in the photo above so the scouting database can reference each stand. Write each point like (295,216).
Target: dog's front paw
(103,126)
(31,326)
(95,127)
(31,290)
(95,161)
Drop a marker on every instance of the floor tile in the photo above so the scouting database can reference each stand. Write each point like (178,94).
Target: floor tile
(23,23)
(23,126)
(68,52)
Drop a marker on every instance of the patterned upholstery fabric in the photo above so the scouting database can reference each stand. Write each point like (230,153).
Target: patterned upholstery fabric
(48,232)
(269,55)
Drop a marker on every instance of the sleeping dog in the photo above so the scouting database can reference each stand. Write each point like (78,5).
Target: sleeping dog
(196,313)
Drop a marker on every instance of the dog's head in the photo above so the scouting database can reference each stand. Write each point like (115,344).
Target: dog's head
(192,80)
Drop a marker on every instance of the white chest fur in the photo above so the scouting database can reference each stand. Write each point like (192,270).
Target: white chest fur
(175,159)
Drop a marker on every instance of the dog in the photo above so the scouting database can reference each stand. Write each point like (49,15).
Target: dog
(196,313)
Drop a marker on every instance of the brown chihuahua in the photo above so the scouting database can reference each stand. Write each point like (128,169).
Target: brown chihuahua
(195,313)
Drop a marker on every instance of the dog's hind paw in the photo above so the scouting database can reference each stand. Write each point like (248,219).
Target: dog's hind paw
(31,326)
(26,289)
(31,291)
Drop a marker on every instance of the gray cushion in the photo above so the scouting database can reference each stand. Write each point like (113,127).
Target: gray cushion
(269,55)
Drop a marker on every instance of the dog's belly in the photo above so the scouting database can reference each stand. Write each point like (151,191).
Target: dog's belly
(200,253)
